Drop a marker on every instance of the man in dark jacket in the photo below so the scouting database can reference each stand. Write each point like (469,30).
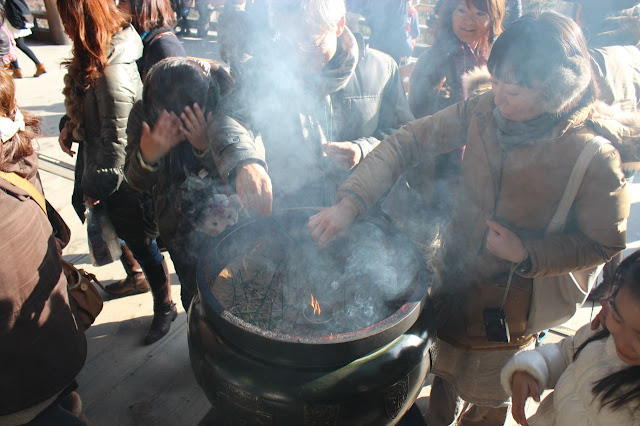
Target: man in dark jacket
(319,99)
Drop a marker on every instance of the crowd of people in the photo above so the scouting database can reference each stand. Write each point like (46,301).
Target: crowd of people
(517,139)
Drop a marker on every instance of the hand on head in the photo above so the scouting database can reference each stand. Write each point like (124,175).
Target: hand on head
(167,132)
(195,126)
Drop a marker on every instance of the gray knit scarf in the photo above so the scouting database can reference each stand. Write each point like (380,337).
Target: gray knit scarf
(512,133)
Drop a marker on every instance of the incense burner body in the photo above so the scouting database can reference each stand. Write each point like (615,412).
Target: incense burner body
(369,376)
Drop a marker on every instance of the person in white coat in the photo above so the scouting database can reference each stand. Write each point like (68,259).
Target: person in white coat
(595,374)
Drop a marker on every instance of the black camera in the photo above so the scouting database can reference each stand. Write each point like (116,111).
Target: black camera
(495,323)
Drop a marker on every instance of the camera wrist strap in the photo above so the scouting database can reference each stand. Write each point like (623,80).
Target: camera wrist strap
(506,290)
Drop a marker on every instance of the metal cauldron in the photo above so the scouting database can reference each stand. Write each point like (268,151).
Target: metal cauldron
(369,376)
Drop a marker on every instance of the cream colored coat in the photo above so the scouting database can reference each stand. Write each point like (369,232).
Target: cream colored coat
(572,403)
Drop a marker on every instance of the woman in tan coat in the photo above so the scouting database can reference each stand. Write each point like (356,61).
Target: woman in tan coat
(523,139)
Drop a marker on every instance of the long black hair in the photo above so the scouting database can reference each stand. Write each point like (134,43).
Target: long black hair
(607,389)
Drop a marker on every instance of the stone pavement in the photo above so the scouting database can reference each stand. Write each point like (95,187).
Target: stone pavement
(124,382)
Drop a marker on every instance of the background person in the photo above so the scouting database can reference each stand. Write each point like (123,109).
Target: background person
(20,23)
(168,154)
(523,139)
(154,21)
(101,87)
(464,33)
(43,344)
(319,99)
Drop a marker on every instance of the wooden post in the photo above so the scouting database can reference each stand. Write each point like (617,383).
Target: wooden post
(55,24)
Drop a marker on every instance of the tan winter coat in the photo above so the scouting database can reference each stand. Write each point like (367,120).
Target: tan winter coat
(519,188)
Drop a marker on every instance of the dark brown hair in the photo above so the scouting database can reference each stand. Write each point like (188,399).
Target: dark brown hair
(150,14)
(445,37)
(20,145)
(90,24)
(622,387)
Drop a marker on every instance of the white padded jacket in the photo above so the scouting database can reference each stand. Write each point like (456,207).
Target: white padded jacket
(572,403)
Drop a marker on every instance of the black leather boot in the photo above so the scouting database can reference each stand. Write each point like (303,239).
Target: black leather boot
(164,310)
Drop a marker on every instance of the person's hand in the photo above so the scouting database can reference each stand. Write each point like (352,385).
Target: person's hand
(346,155)
(504,243)
(65,142)
(253,186)
(332,222)
(195,127)
(90,202)
(167,133)
(523,386)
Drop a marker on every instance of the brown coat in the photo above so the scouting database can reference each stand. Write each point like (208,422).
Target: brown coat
(41,347)
(519,188)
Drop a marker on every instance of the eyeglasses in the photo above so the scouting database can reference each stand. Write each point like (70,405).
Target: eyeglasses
(306,47)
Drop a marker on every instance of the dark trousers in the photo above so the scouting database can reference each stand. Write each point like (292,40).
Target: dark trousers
(23,46)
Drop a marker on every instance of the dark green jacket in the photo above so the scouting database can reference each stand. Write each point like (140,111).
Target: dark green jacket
(106,108)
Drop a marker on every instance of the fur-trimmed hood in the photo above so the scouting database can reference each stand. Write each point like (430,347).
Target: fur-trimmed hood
(621,128)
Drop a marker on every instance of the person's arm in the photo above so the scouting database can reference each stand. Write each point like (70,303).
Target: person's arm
(140,176)
(115,93)
(394,112)
(237,155)
(596,229)
(413,143)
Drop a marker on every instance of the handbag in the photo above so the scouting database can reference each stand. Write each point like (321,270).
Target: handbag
(556,299)
(83,295)
(88,302)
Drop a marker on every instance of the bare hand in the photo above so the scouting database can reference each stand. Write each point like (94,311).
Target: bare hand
(332,222)
(523,386)
(505,244)
(195,127)
(166,133)
(346,155)
(90,202)
(65,142)
(253,186)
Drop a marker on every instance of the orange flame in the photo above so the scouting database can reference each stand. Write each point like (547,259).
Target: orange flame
(315,305)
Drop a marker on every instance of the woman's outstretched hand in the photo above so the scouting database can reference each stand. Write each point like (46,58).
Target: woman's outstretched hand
(195,126)
(332,222)
(167,132)
(504,243)
(523,386)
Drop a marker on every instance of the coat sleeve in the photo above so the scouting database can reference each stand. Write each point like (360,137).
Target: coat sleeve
(138,177)
(428,91)
(394,112)
(597,225)
(547,362)
(232,143)
(116,92)
(415,142)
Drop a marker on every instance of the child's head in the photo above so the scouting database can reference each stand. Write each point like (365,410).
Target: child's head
(174,83)
(623,313)
(17,127)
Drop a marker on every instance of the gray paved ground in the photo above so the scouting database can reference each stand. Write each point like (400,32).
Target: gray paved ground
(123,382)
